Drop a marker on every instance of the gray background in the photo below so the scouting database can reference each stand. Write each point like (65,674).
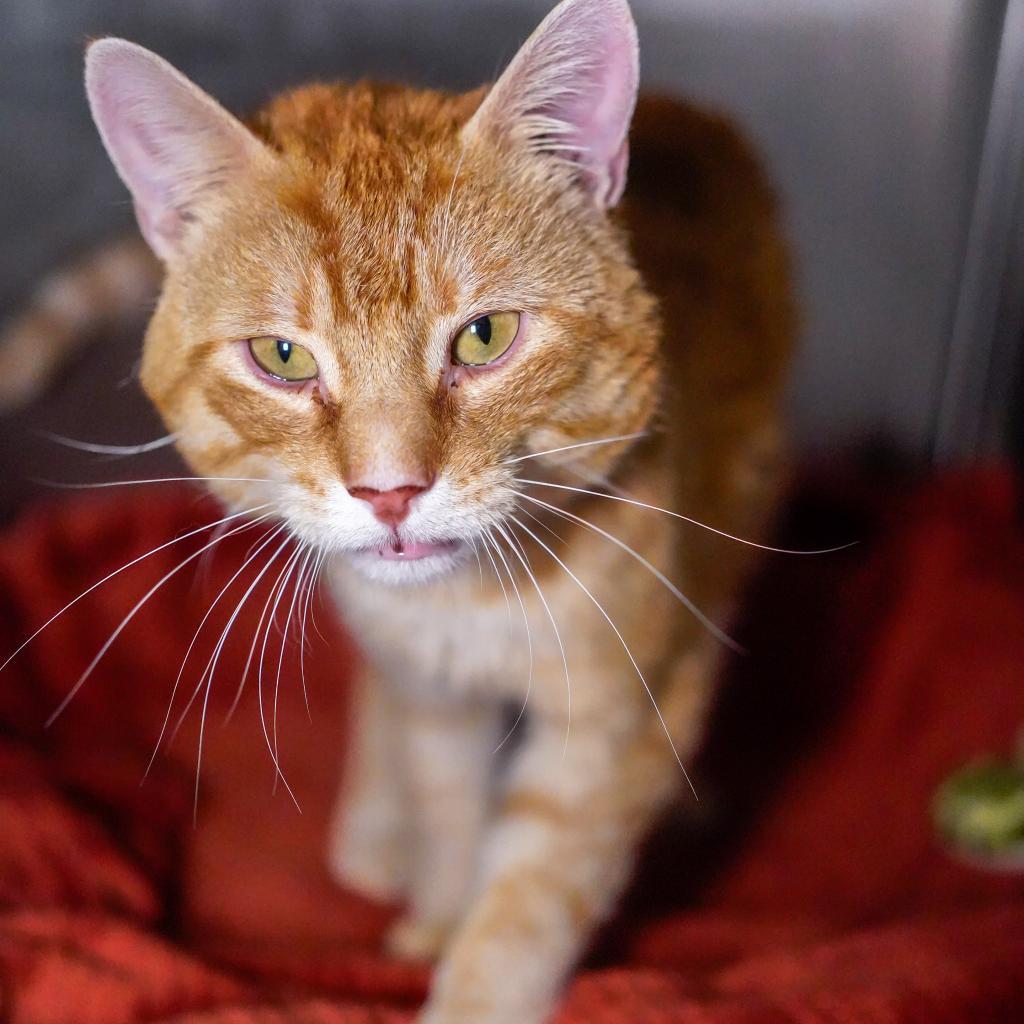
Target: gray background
(871,115)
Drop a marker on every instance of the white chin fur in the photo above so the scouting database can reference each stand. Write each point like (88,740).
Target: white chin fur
(401,573)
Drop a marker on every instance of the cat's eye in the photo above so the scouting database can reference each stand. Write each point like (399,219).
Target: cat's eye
(485,339)
(283,359)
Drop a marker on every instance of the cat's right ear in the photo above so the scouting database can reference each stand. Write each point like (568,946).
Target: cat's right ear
(173,145)
(569,94)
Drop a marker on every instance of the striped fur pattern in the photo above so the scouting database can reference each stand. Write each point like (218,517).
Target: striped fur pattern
(369,223)
(71,307)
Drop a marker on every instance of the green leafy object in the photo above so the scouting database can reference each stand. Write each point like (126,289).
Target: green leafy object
(979,810)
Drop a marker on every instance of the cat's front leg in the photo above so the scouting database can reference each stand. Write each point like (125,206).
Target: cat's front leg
(447,750)
(554,863)
(368,839)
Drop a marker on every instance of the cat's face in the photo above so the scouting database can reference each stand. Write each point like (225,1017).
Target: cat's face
(385,297)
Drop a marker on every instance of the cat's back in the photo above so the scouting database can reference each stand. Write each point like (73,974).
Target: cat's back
(706,233)
(707,236)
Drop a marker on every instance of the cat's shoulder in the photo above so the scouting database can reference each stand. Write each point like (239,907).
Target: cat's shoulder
(687,160)
(708,236)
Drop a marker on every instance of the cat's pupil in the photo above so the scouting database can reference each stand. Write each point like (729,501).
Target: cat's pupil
(482,329)
(284,351)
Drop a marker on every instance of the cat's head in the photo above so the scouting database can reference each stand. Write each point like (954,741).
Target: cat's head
(376,298)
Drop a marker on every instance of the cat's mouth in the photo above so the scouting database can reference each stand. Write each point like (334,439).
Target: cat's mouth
(403,560)
(399,550)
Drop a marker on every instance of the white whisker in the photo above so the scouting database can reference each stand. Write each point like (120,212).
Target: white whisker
(131,615)
(596,480)
(597,604)
(267,538)
(544,526)
(199,745)
(206,562)
(222,639)
(317,596)
(257,631)
(497,576)
(127,565)
(65,486)
(479,564)
(301,576)
(212,664)
(529,645)
(310,586)
(301,622)
(688,519)
(524,561)
(111,449)
(703,619)
(579,444)
(284,643)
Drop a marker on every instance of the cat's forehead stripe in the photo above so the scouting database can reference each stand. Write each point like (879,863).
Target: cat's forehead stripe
(357,265)
(329,124)
(318,299)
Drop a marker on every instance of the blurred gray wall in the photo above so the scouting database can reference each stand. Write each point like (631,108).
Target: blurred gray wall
(871,115)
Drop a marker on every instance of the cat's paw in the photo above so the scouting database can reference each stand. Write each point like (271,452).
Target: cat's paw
(416,940)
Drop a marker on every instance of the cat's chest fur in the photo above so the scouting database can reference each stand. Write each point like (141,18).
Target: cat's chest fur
(452,638)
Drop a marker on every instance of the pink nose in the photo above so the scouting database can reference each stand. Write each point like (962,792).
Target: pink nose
(390,507)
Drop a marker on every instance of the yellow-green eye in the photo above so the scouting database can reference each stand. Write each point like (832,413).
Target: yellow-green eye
(486,338)
(283,359)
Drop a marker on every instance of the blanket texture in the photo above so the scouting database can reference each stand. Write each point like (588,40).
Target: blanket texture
(807,886)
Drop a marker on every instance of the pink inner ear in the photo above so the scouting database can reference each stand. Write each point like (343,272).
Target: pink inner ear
(571,90)
(171,144)
(598,108)
(143,167)
(616,181)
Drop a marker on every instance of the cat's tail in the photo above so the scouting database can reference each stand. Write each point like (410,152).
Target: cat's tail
(111,286)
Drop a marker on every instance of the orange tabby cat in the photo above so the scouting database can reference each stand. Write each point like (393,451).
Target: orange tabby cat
(412,324)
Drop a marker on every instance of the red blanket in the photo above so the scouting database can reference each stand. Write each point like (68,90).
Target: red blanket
(808,887)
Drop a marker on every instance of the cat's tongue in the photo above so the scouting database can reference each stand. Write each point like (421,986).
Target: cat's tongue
(408,552)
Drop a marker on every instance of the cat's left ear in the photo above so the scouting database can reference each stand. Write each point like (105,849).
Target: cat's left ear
(570,93)
(175,148)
